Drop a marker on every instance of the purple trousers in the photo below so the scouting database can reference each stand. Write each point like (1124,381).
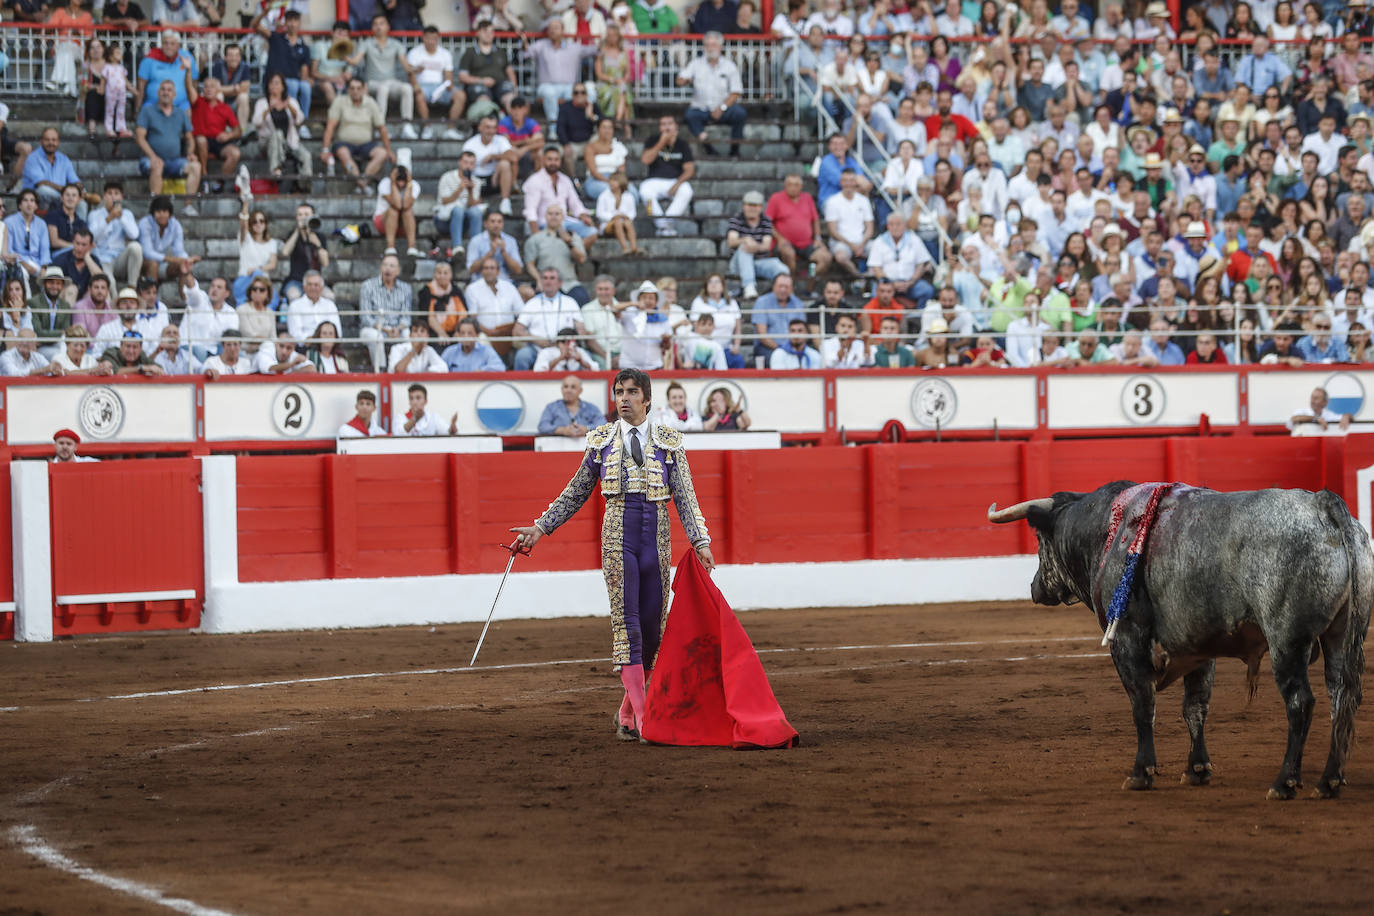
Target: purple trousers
(643,579)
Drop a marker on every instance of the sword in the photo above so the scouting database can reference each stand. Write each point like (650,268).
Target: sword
(515,550)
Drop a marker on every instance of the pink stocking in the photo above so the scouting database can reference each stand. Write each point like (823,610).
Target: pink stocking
(632,676)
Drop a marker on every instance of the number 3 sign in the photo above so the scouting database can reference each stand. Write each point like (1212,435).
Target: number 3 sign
(1142,399)
(293,411)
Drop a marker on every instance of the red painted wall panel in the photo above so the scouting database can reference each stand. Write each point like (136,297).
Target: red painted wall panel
(281,513)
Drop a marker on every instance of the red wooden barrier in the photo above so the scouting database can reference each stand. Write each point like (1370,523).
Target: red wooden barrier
(127,528)
(370,516)
(6,551)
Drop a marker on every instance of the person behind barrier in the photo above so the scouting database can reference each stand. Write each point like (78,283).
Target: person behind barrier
(282,358)
(570,415)
(415,354)
(468,354)
(64,443)
(128,358)
(171,357)
(363,425)
(420,420)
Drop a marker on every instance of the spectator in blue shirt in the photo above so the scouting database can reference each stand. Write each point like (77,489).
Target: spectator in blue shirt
(828,178)
(1259,69)
(164,135)
(167,62)
(26,236)
(1161,347)
(49,171)
(773,313)
(570,415)
(469,354)
(288,54)
(1320,346)
(164,242)
(1230,185)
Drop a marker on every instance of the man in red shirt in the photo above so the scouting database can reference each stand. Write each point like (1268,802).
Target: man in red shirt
(215,127)
(797,226)
(883,305)
(964,131)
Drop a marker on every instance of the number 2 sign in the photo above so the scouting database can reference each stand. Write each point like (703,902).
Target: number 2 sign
(293,410)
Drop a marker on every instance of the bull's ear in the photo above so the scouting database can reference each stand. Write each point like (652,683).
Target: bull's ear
(1041,519)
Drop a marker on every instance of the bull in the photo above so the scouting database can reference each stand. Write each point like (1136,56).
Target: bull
(1220,575)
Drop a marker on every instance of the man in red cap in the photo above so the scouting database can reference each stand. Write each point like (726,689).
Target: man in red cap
(65,442)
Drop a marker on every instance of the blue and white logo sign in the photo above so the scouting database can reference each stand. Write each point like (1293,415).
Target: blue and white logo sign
(500,407)
(1346,392)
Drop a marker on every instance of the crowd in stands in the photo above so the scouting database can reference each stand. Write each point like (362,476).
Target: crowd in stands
(1078,186)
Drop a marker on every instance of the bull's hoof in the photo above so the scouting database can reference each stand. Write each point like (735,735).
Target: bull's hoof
(1284,792)
(1328,788)
(1199,774)
(1139,782)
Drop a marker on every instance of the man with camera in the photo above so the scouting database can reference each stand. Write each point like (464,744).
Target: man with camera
(395,211)
(304,250)
(459,211)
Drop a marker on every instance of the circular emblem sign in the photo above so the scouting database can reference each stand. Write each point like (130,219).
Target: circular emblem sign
(934,403)
(736,394)
(293,410)
(500,407)
(1346,392)
(100,413)
(1142,399)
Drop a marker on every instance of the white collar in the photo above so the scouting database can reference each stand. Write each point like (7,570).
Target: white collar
(643,428)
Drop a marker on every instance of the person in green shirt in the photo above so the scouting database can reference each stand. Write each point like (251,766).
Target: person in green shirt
(1006,296)
(1230,143)
(655,18)
(1089,350)
(1055,308)
(888,351)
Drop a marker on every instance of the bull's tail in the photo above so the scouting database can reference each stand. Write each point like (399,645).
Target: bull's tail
(1347,692)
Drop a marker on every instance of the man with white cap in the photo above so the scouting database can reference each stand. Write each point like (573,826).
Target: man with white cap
(64,443)
(1156,184)
(646,328)
(1195,259)
(1156,22)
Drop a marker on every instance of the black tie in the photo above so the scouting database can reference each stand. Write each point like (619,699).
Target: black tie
(635,450)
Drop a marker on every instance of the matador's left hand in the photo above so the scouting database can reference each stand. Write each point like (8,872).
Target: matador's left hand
(704,555)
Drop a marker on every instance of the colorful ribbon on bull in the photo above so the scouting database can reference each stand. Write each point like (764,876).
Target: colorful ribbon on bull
(1121,595)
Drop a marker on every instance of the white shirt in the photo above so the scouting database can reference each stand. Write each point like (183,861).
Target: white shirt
(841,25)
(474,145)
(898,259)
(607,209)
(1079,208)
(203,324)
(643,429)
(425,361)
(449,183)
(266,358)
(665,416)
(785,359)
(12,364)
(304,317)
(242,366)
(184,363)
(903,178)
(1024,342)
(850,215)
(425,426)
(1328,151)
(726,313)
(852,357)
(697,352)
(349,432)
(431,67)
(550,360)
(493,308)
(1021,189)
(62,359)
(641,339)
(545,316)
(384,188)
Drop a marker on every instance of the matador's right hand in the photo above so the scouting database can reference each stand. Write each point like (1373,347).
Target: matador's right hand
(528,536)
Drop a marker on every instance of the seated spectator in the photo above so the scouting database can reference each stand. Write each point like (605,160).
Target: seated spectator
(1089,350)
(830,306)
(280,123)
(324,353)
(555,246)
(834,164)
(163,241)
(234,83)
(468,354)
(133,314)
(727,320)
(26,240)
(64,219)
(258,250)
(95,308)
(698,349)
(22,358)
(1131,350)
(230,359)
(48,171)
(670,170)
(676,413)
(1025,334)
(167,63)
(601,318)
(846,349)
(647,325)
(752,237)
(484,74)
(395,210)
(496,159)
(127,357)
(888,350)
(419,419)
(1160,346)
(215,127)
(459,209)
(355,132)
(900,256)
(714,16)
(282,358)
(499,245)
(432,76)
(75,358)
(723,414)
(849,222)
(494,303)
(415,355)
(524,135)
(550,186)
(984,353)
(1320,346)
(958,319)
(14,309)
(440,302)
(797,225)
(115,232)
(716,91)
(304,250)
(602,156)
(795,351)
(565,356)
(1318,411)
(654,17)
(557,66)
(78,264)
(577,120)
(883,304)
(938,351)
(171,357)
(1206,352)
(773,314)
(385,302)
(363,425)
(383,64)
(1052,353)
(615,214)
(542,318)
(208,315)
(49,312)
(164,135)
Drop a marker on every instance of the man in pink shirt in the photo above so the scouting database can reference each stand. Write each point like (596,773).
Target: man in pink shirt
(797,226)
(550,185)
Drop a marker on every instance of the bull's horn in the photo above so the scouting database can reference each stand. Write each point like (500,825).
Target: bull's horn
(1018,511)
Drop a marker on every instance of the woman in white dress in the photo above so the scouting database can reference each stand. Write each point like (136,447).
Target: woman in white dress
(257,250)
(615,213)
(901,175)
(604,155)
(1105,132)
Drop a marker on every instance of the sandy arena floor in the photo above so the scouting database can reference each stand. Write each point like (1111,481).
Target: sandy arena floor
(977,771)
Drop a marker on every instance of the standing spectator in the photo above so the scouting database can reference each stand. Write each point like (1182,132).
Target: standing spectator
(565,355)
(495,242)
(795,351)
(208,315)
(671,168)
(289,55)
(235,86)
(484,72)
(550,186)
(386,303)
(165,137)
(395,210)
(716,90)
(468,354)
(49,172)
(750,234)
(555,246)
(215,128)
(432,76)
(615,214)
(557,66)
(773,314)
(543,317)
(458,211)
(115,82)
(797,226)
(849,222)
(382,61)
(570,415)
(355,131)
(304,251)
(163,240)
(495,158)
(312,309)
(280,123)
(27,243)
(168,63)
(440,302)
(415,354)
